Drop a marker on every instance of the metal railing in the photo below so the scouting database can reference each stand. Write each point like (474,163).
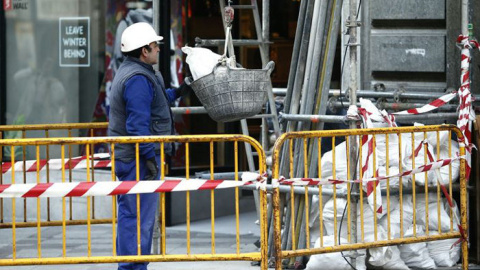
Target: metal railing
(46,131)
(355,222)
(165,255)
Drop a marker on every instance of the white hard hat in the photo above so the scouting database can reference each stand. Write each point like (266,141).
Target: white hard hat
(138,35)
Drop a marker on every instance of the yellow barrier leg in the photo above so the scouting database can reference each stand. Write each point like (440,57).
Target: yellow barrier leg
(277,236)
(463,209)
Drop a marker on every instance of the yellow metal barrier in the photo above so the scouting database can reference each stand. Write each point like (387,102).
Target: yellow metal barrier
(166,254)
(387,148)
(47,131)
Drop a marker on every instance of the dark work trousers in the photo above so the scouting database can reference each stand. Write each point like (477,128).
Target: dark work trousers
(127,216)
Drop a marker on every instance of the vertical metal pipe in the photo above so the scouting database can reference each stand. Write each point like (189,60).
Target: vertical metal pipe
(464,17)
(316,45)
(310,81)
(325,73)
(327,64)
(352,23)
(293,104)
(295,56)
(304,237)
(259,31)
(300,223)
(266,26)
(288,214)
(353,87)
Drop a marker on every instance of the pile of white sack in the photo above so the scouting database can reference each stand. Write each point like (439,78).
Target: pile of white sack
(425,255)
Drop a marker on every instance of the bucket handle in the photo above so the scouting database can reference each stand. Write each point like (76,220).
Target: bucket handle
(269,67)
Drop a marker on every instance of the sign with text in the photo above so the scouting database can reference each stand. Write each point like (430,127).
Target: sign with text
(74,38)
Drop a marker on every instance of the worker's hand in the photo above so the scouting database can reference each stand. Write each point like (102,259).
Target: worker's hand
(183,89)
(152,168)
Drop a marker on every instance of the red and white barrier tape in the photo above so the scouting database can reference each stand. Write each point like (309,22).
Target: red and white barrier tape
(370,113)
(317,181)
(85,189)
(101,160)
(466,113)
(430,106)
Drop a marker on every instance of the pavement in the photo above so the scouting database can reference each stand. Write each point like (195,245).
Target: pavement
(76,244)
(101,238)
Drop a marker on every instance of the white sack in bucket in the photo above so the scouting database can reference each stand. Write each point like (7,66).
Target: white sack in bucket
(200,60)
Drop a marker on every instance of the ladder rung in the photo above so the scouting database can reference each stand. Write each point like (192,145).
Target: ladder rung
(243,6)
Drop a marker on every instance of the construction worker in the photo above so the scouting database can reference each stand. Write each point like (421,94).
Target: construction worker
(139,105)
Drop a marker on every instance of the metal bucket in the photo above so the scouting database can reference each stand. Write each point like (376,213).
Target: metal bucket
(232,94)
